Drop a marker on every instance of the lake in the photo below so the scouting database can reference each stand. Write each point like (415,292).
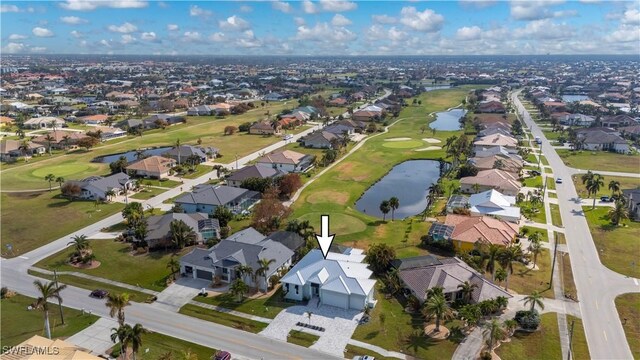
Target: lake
(131,155)
(572,98)
(409,182)
(448,120)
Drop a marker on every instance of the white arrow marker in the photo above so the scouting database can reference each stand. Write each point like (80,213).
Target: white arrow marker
(324,239)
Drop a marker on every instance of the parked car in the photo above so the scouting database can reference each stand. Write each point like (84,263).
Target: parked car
(559,181)
(222,355)
(99,293)
(287,137)
(534,173)
(606,199)
(363,357)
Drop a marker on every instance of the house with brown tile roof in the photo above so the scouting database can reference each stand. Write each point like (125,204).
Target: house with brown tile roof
(263,128)
(467,230)
(489,141)
(287,161)
(95,119)
(501,180)
(61,139)
(156,167)
(38,347)
(507,163)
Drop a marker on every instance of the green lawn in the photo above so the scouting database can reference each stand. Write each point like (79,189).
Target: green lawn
(625,183)
(540,216)
(526,281)
(147,193)
(264,306)
(18,324)
(150,269)
(404,332)
(162,183)
(543,233)
(579,346)
(50,217)
(564,264)
(200,170)
(301,338)
(628,306)
(551,183)
(600,160)
(223,318)
(556,219)
(618,246)
(159,344)
(535,181)
(351,351)
(543,344)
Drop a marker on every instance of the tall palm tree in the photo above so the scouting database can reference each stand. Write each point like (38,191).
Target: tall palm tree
(614,186)
(535,248)
(476,188)
(116,304)
(618,213)
(177,146)
(49,139)
(122,334)
(135,336)
(245,271)
(66,139)
(47,291)
(492,256)
(50,178)
(174,266)
(385,208)
(263,270)
(493,332)
(467,288)
(24,148)
(593,186)
(501,274)
(394,203)
(80,244)
(238,288)
(181,233)
(507,258)
(109,194)
(437,306)
(534,299)
(60,180)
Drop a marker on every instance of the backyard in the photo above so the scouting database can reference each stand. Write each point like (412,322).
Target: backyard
(600,160)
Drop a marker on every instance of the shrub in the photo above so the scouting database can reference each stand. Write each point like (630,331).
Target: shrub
(3,292)
(528,320)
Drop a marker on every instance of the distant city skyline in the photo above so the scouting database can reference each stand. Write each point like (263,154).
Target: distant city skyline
(320,27)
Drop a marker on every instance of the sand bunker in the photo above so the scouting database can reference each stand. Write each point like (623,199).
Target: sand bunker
(430,148)
(398,139)
(432,140)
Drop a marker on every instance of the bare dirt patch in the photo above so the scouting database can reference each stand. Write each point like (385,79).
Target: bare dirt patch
(430,331)
(92,265)
(328,196)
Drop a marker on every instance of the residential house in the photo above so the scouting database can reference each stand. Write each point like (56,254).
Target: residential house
(159,228)
(600,139)
(339,101)
(555,106)
(38,347)
(468,230)
(490,106)
(94,119)
(197,154)
(493,203)
(340,129)
(615,121)
(501,180)
(11,150)
(246,248)
(341,280)
(263,128)
(96,187)
(499,161)
(201,110)
(44,122)
(109,133)
(577,120)
(632,199)
(422,273)
(61,139)
(320,139)
(6,121)
(287,161)
(506,142)
(291,240)
(252,171)
(367,115)
(206,198)
(497,150)
(156,167)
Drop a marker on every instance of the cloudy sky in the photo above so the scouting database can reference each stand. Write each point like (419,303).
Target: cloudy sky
(323,27)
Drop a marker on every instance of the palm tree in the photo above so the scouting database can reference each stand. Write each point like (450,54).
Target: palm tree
(618,213)
(476,188)
(501,274)
(66,139)
(178,148)
(394,203)
(80,243)
(122,334)
(20,133)
(174,266)
(536,248)
(116,304)
(534,299)
(49,139)
(181,233)
(243,271)
(50,178)
(60,180)
(47,291)
(263,270)
(385,208)
(135,336)
(593,186)
(467,288)
(492,256)
(510,326)
(437,306)
(493,331)
(24,148)
(109,194)
(507,258)
(238,288)
(614,186)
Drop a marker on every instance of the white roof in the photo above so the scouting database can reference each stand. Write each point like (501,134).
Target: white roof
(492,202)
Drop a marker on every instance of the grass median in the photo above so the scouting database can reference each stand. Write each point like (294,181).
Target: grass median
(221,318)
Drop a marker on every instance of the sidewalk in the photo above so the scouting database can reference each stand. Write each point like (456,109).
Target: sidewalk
(97,337)
(97,279)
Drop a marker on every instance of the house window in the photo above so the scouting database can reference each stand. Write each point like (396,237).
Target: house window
(296,289)
(225,270)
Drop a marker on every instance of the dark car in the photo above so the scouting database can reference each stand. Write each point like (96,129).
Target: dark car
(99,293)
(222,355)
(606,199)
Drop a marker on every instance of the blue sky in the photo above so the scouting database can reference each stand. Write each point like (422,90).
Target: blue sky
(323,27)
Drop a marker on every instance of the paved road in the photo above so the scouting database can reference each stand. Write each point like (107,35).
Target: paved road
(597,285)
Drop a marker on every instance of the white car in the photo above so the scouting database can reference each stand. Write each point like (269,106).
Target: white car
(287,137)
(363,357)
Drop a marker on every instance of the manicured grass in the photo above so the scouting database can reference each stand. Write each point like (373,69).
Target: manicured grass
(560,238)
(223,318)
(345,224)
(579,346)
(200,170)
(407,144)
(543,233)
(540,216)
(264,306)
(551,183)
(526,281)
(89,284)
(625,183)
(49,217)
(161,183)
(159,344)
(628,306)
(404,332)
(600,160)
(564,262)
(556,219)
(542,344)
(150,272)
(532,181)
(351,351)
(617,246)
(147,193)
(18,324)
(301,338)
(65,169)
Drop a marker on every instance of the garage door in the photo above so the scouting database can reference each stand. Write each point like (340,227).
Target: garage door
(335,299)
(202,274)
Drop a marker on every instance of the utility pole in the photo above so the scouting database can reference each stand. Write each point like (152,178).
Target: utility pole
(55,278)
(570,339)
(555,253)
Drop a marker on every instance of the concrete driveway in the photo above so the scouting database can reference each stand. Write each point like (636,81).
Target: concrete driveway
(97,337)
(339,325)
(180,293)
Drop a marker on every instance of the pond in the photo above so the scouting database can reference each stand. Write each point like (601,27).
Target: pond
(131,155)
(572,98)
(436,87)
(448,120)
(409,182)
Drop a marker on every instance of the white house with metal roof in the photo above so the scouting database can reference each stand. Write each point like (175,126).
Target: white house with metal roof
(494,203)
(341,280)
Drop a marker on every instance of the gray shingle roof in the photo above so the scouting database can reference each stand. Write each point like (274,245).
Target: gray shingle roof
(214,195)
(254,171)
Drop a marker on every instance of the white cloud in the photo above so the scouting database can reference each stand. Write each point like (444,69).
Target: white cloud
(234,23)
(6,9)
(285,7)
(38,49)
(533,10)
(543,29)
(12,48)
(323,32)
(217,37)
(191,36)
(76,34)
(427,20)
(384,19)
(173,27)
(125,28)
(42,32)
(196,10)
(396,35)
(73,20)
(104,42)
(88,5)
(631,17)
(624,33)
(377,32)
(299,21)
(148,36)
(17,37)
(127,39)
(309,7)
(337,5)
(468,33)
(340,20)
